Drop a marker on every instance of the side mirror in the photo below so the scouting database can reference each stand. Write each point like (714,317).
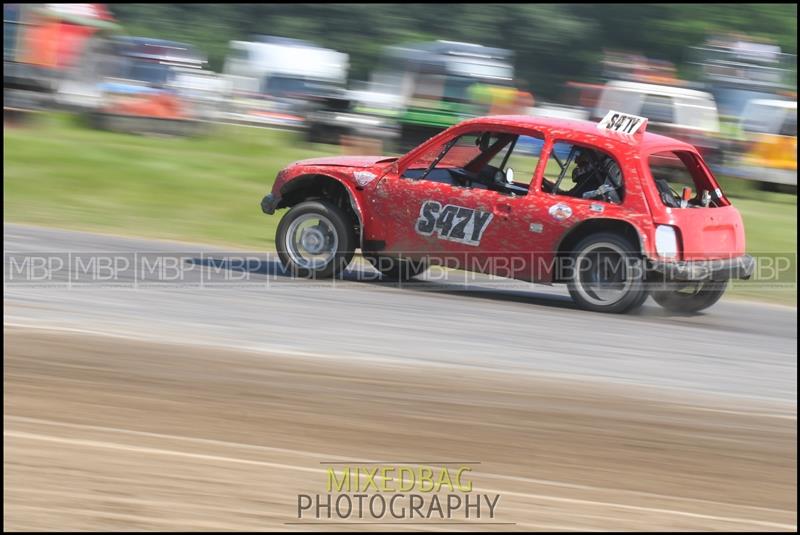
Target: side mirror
(509,176)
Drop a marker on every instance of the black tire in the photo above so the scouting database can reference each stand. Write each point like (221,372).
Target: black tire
(629,272)
(341,227)
(396,270)
(676,299)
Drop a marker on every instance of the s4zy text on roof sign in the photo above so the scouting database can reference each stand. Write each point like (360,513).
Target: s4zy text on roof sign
(622,122)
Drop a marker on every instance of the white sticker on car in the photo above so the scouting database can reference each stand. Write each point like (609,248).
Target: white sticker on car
(560,211)
(452,223)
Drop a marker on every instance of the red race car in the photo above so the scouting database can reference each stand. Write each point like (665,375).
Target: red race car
(611,210)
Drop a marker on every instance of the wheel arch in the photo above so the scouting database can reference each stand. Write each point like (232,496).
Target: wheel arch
(578,232)
(320,186)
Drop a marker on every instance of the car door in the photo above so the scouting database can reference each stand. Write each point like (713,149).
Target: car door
(464,225)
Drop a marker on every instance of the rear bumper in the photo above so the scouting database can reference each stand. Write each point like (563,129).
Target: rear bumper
(740,267)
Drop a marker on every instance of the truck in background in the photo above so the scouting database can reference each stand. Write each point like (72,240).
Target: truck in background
(749,79)
(52,55)
(428,87)
(157,86)
(769,147)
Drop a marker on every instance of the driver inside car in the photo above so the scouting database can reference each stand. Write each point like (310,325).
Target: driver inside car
(587,175)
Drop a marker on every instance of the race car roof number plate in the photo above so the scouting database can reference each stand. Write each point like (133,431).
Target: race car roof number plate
(624,123)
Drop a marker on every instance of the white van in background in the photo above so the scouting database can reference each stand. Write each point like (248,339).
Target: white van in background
(686,114)
(274,79)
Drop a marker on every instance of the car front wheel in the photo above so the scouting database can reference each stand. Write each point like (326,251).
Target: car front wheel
(688,298)
(606,274)
(315,239)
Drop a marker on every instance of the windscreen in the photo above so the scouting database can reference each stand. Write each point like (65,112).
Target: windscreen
(149,71)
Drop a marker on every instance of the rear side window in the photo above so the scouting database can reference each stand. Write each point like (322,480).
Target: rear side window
(658,108)
(683,182)
(240,54)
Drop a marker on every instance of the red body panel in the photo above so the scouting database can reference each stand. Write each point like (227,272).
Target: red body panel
(521,233)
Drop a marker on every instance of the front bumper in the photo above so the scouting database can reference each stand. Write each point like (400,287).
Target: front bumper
(740,267)
(269,203)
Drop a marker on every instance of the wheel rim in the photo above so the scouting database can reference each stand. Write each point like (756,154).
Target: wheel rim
(603,274)
(312,241)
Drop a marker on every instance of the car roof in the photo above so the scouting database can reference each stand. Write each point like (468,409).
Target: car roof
(553,127)
(159,49)
(134,40)
(789,104)
(454,48)
(667,90)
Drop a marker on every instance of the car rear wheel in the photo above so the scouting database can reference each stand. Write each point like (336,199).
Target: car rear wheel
(606,274)
(315,239)
(394,269)
(690,297)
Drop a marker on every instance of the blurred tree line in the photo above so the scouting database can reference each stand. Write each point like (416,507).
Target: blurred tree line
(552,42)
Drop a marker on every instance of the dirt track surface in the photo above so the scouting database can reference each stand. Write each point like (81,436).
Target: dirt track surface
(112,433)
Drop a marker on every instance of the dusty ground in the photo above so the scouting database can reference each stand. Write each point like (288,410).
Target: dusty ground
(109,433)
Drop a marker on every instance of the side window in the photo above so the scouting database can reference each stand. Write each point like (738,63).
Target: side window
(789,126)
(658,108)
(496,161)
(675,170)
(429,86)
(456,89)
(584,173)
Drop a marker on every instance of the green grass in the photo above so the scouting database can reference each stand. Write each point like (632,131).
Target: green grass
(203,189)
(770,221)
(208,189)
